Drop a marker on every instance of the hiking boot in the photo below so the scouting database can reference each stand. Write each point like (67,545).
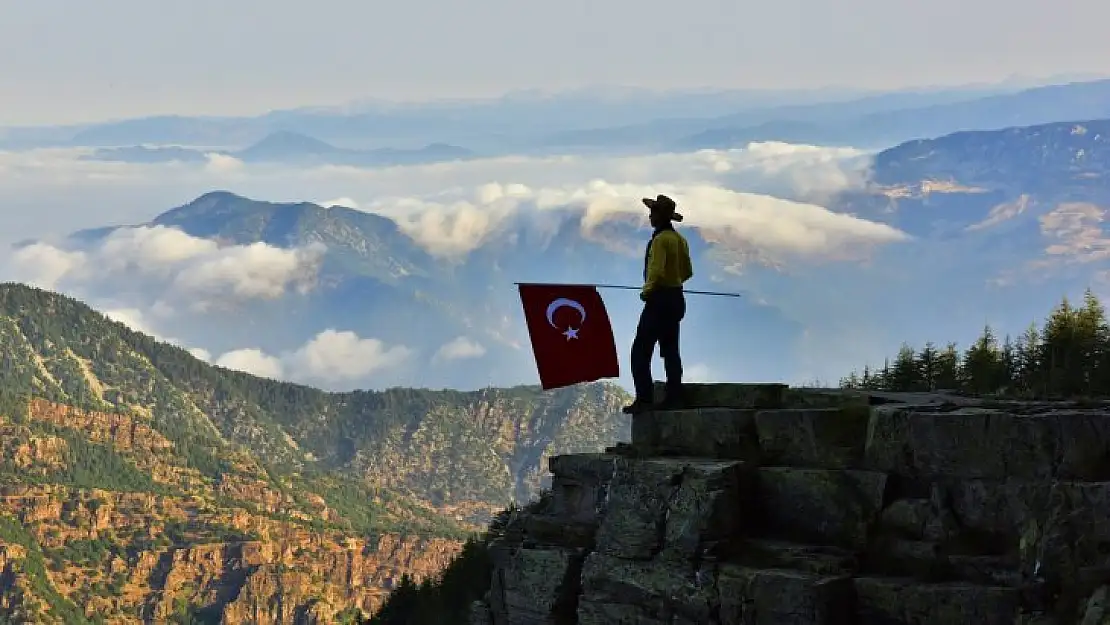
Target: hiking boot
(638,406)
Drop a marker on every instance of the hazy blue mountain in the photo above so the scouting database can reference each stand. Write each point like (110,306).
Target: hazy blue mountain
(1001,219)
(291,148)
(1039,105)
(518,122)
(779,121)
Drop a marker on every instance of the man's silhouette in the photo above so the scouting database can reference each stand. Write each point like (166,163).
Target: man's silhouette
(666,267)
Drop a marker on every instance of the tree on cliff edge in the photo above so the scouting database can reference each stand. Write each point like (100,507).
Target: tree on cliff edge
(1068,357)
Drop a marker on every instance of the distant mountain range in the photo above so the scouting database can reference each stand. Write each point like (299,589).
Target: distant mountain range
(289,148)
(614,121)
(1054,103)
(511,123)
(1001,222)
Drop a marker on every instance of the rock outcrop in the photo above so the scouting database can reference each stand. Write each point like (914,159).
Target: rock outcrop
(176,545)
(764,505)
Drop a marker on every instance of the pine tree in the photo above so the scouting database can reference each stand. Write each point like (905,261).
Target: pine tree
(928,361)
(1068,356)
(852,381)
(982,364)
(1092,343)
(867,381)
(904,375)
(948,368)
(1060,351)
(1007,373)
(1029,361)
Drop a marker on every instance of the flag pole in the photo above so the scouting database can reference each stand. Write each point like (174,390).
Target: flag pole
(623,287)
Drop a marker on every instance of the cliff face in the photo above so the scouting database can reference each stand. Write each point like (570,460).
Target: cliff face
(768,506)
(139,484)
(128,532)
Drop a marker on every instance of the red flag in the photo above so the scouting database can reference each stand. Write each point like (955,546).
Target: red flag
(572,338)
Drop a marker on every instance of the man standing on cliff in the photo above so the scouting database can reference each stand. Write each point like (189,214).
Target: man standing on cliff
(667,266)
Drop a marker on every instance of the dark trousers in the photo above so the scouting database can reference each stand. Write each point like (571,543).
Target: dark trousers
(659,321)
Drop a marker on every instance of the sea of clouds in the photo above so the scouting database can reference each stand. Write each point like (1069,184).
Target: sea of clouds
(766,198)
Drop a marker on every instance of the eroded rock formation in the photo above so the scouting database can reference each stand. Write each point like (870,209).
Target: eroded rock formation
(772,506)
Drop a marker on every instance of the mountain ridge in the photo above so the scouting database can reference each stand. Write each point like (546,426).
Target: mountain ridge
(288,147)
(176,489)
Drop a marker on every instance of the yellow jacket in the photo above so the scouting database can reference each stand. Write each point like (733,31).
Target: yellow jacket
(668,262)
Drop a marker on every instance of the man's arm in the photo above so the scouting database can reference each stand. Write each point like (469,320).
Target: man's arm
(657,262)
(686,264)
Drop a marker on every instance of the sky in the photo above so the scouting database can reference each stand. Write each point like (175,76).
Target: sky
(69,62)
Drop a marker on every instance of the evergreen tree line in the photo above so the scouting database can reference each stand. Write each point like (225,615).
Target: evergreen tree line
(446,599)
(1067,356)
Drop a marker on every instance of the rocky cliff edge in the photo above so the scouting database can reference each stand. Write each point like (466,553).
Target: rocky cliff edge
(764,505)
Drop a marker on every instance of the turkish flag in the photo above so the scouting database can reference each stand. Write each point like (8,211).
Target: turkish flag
(572,338)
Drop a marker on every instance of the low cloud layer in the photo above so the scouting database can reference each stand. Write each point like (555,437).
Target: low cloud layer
(453,224)
(763,201)
(181,269)
(332,358)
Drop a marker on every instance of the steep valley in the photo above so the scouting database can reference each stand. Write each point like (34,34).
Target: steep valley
(139,485)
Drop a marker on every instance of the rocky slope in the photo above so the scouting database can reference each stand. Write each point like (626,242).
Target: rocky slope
(981,181)
(142,485)
(99,516)
(770,506)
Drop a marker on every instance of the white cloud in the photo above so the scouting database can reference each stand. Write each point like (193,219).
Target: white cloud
(458,349)
(255,271)
(201,354)
(136,320)
(43,265)
(253,361)
(334,356)
(453,224)
(197,271)
(132,318)
(339,201)
(151,249)
(220,164)
(330,357)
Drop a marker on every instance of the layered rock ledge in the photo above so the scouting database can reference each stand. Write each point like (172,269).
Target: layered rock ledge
(765,505)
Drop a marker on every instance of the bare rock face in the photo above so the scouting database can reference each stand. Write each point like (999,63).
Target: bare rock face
(763,505)
(233,549)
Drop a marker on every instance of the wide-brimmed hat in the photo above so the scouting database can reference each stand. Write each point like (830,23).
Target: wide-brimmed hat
(663,204)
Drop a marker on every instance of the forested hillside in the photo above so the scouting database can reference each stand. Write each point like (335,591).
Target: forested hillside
(140,483)
(1068,355)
